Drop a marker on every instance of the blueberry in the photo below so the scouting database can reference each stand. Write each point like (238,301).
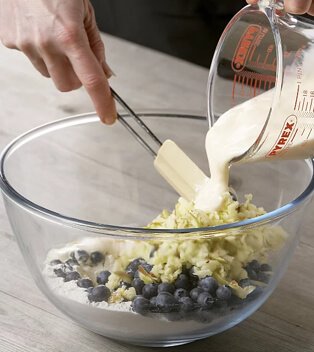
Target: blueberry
(263,277)
(85,283)
(180,293)
(67,268)
(133,266)
(208,284)
(138,284)
(150,290)
(166,287)
(252,274)
(147,267)
(59,272)
(244,282)
(265,267)
(186,304)
(99,293)
(141,305)
(153,301)
(195,292)
(153,307)
(71,262)
(73,275)
(81,256)
(89,290)
(103,277)
(205,300)
(254,265)
(223,293)
(166,302)
(135,275)
(182,281)
(55,262)
(96,257)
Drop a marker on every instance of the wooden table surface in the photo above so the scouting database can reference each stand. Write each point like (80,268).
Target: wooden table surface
(147,79)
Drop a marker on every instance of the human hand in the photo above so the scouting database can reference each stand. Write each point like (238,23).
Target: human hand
(61,39)
(298,7)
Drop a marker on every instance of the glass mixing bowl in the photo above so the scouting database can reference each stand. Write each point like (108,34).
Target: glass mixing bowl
(81,193)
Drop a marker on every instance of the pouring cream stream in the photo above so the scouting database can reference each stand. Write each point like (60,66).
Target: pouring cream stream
(231,136)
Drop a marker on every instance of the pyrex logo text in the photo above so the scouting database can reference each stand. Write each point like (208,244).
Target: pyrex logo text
(285,135)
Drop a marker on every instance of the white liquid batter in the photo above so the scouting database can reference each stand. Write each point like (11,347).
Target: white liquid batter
(231,136)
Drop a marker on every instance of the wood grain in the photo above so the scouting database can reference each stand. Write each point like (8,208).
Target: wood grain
(149,80)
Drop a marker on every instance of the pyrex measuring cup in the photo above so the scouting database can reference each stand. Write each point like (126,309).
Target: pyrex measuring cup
(264,50)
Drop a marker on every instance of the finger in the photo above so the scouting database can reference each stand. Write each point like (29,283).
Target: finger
(61,71)
(40,65)
(298,6)
(36,61)
(251,2)
(311,10)
(32,54)
(92,76)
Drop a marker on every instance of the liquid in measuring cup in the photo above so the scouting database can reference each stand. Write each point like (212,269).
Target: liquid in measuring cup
(263,71)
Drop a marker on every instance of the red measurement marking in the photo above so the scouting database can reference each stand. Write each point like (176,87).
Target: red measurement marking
(242,87)
(266,58)
(294,135)
(259,85)
(270,83)
(265,85)
(308,136)
(296,98)
(249,83)
(255,84)
(240,82)
(234,84)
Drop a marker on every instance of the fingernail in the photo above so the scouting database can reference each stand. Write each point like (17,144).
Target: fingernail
(108,71)
(109,119)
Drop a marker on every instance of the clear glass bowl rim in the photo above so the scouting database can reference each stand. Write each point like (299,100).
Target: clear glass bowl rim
(100,228)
